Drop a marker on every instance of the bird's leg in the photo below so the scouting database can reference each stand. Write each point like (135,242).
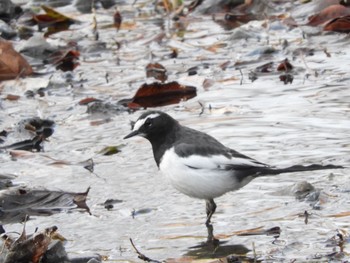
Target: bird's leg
(210,207)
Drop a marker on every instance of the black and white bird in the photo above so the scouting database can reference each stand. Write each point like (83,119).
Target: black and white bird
(197,164)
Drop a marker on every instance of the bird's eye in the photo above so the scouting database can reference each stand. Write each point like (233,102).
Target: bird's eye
(148,123)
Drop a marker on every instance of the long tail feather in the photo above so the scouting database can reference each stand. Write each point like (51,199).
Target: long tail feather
(299,168)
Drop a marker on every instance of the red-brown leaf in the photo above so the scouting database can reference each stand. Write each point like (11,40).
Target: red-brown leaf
(12,64)
(65,60)
(87,101)
(327,14)
(285,66)
(340,24)
(117,18)
(12,97)
(54,20)
(158,94)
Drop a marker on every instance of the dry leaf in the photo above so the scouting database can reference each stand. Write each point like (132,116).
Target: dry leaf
(158,94)
(12,64)
(340,24)
(117,19)
(330,12)
(342,214)
(156,71)
(53,20)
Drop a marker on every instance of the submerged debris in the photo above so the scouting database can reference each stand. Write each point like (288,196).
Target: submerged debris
(41,129)
(40,247)
(19,202)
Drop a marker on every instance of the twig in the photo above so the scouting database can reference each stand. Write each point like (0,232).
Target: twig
(94,21)
(241,82)
(306,215)
(202,108)
(142,256)
(254,252)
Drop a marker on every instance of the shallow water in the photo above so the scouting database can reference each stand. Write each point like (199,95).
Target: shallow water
(305,122)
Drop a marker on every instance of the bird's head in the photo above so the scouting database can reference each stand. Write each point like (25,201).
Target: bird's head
(152,125)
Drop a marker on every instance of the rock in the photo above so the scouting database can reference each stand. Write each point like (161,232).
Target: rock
(9,11)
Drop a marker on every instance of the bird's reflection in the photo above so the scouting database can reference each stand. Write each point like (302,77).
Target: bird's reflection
(214,248)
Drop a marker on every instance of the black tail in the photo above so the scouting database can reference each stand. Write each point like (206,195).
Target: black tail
(298,168)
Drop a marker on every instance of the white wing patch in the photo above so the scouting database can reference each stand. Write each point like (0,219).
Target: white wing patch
(141,122)
(218,162)
(208,180)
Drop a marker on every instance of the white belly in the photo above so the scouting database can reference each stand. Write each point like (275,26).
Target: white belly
(205,183)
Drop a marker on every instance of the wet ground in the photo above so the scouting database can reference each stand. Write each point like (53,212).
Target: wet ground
(304,122)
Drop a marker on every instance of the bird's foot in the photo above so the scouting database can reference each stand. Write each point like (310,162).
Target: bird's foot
(211,240)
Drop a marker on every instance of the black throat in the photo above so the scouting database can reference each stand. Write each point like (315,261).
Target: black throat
(163,140)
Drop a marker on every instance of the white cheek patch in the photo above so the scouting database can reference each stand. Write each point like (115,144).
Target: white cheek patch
(141,122)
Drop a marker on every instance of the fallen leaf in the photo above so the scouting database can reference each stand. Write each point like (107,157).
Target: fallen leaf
(12,64)
(284,66)
(158,94)
(340,24)
(53,20)
(110,150)
(12,97)
(330,12)
(30,249)
(342,214)
(65,60)
(266,68)
(156,71)
(17,203)
(117,19)
(87,100)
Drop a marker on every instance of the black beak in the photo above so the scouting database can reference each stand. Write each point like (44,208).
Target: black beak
(131,134)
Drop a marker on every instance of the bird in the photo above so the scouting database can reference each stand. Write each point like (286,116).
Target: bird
(198,165)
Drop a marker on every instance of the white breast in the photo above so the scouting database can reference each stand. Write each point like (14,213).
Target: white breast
(207,182)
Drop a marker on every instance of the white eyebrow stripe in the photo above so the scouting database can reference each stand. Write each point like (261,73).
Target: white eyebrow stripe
(140,122)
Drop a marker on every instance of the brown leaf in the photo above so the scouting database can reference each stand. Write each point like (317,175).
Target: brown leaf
(12,64)
(174,53)
(53,20)
(285,66)
(31,248)
(117,19)
(158,94)
(156,71)
(342,214)
(266,68)
(65,60)
(340,24)
(330,12)
(87,100)
(12,97)
(231,21)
